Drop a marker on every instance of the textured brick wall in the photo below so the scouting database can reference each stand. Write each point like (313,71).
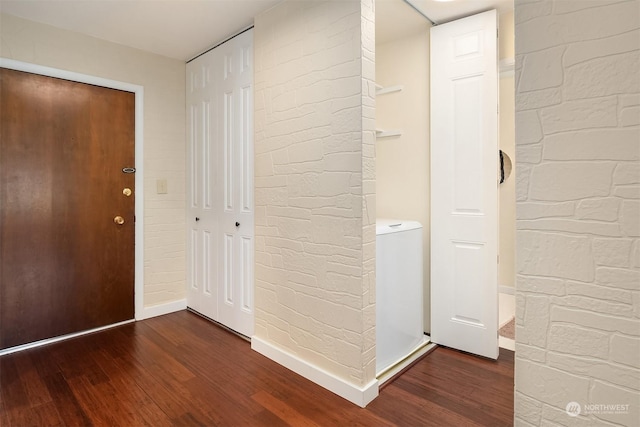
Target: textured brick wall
(578,211)
(315,184)
(368,46)
(164,132)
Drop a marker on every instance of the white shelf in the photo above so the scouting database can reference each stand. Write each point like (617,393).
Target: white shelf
(387,133)
(380,90)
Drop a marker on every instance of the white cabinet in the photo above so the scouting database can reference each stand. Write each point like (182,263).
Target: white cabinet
(399,311)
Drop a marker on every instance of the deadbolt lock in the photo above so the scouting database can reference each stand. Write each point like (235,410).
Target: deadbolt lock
(118,220)
(126,192)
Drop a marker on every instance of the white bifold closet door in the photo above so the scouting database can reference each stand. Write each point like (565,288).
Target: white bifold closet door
(220,217)
(464,184)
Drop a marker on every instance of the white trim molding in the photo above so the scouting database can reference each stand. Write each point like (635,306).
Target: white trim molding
(507,67)
(139,153)
(162,309)
(509,290)
(360,396)
(425,346)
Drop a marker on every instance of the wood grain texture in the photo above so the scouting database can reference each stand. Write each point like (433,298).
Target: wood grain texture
(182,370)
(64,265)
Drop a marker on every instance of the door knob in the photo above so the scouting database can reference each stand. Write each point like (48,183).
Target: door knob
(118,220)
(197,219)
(126,192)
(237,224)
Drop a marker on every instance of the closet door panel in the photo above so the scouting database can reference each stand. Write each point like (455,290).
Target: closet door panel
(220,181)
(237,223)
(203,201)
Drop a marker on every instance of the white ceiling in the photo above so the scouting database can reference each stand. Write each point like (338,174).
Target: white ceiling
(444,11)
(396,19)
(178,29)
(182,29)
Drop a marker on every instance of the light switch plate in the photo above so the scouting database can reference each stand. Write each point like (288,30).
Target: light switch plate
(161,186)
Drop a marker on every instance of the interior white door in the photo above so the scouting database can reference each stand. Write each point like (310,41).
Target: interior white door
(464,185)
(203,199)
(235,168)
(220,239)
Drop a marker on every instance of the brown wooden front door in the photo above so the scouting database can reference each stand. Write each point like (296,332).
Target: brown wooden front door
(65,264)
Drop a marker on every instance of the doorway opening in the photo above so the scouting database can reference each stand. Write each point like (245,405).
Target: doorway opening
(135,118)
(403,145)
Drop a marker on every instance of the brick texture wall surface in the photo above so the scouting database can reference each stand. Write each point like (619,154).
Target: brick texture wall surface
(578,212)
(315,184)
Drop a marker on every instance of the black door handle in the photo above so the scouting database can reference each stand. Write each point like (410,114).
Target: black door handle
(197,219)
(237,224)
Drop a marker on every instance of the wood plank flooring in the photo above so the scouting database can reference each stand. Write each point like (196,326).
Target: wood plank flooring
(181,370)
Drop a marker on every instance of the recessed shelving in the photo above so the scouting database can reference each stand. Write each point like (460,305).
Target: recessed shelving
(381,90)
(387,133)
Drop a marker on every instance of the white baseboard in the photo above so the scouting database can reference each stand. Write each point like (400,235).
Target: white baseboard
(360,396)
(507,343)
(161,309)
(510,290)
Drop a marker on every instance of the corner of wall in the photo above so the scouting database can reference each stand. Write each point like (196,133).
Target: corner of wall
(315,192)
(368,48)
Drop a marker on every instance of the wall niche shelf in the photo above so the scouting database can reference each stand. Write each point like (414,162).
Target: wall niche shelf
(387,133)
(381,90)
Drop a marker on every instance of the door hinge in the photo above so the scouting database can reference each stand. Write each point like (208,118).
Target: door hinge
(498,259)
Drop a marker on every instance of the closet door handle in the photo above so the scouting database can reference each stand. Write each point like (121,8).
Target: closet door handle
(237,224)
(197,219)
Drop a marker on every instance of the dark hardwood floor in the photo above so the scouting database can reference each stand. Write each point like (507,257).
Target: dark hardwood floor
(180,369)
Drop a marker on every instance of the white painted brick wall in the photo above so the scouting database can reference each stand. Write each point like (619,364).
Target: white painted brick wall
(578,211)
(315,184)
(368,189)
